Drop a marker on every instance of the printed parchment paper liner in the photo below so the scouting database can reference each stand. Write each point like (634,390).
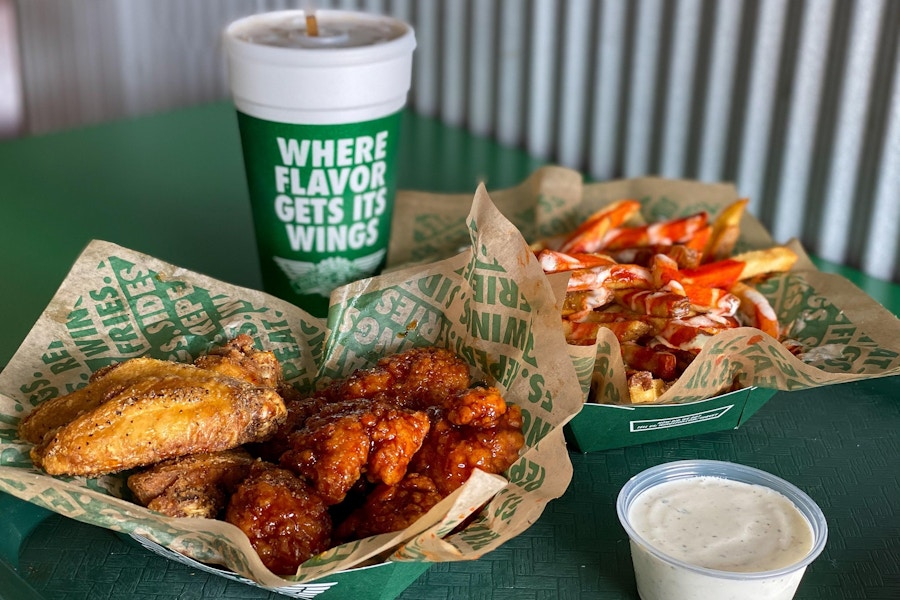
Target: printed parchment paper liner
(848,336)
(490,303)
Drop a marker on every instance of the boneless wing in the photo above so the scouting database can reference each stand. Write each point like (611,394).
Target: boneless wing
(285,520)
(488,437)
(415,378)
(165,410)
(354,438)
(472,428)
(390,508)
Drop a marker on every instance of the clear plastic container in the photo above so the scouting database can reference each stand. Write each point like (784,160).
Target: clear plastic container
(660,576)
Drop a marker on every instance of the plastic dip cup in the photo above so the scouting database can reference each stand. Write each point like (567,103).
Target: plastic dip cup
(686,520)
(319,117)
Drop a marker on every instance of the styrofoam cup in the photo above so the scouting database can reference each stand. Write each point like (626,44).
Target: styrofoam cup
(319,118)
(661,576)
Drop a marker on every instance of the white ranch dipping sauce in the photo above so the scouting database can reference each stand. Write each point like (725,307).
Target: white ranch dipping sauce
(720,524)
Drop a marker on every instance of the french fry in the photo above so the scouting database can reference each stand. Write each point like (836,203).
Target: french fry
(628,330)
(613,277)
(616,313)
(699,239)
(756,309)
(663,289)
(720,274)
(690,334)
(777,259)
(554,261)
(588,237)
(659,363)
(580,333)
(711,300)
(654,302)
(584,302)
(674,231)
(685,257)
(725,232)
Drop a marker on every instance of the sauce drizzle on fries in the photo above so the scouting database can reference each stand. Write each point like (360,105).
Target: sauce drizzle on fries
(662,288)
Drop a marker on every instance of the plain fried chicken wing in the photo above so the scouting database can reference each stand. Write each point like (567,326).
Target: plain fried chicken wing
(103,384)
(285,520)
(237,358)
(162,410)
(240,359)
(191,486)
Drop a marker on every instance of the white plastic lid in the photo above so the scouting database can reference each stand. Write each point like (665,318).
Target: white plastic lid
(358,69)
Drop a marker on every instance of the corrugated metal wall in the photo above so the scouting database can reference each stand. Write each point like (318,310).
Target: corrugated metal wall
(797,102)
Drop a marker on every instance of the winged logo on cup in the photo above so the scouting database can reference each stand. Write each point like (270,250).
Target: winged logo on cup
(322,277)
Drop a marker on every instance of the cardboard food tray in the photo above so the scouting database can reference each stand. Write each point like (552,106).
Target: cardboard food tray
(117,303)
(846,334)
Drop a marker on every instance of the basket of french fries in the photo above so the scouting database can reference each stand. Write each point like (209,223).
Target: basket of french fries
(682,314)
(233,432)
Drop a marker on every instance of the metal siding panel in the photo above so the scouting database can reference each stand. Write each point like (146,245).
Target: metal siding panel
(806,91)
(881,256)
(511,73)
(754,145)
(608,89)
(642,87)
(426,65)
(453,57)
(850,131)
(542,71)
(573,83)
(403,10)
(720,83)
(12,106)
(481,67)
(680,88)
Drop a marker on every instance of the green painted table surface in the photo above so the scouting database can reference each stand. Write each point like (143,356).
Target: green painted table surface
(172,186)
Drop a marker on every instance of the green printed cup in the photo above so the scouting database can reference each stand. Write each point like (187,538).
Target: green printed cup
(319,117)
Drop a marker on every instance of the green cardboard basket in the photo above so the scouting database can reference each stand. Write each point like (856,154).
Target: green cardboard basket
(383,581)
(605,426)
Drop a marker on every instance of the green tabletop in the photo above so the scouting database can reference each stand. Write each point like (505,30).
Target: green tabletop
(172,186)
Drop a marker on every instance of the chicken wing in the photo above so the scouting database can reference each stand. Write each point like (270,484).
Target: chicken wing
(490,440)
(285,520)
(162,410)
(237,358)
(472,428)
(56,412)
(191,486)
(390,508)
(416,378)
(346,440)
